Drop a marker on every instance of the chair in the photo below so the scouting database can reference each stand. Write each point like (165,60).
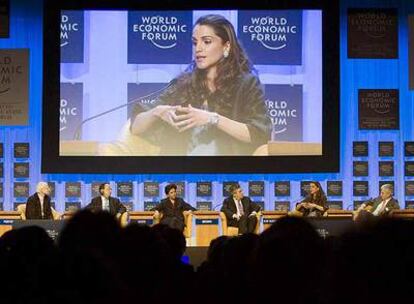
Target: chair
(188,221)
(22,210)
(233,231)
(123,218)
(128,144)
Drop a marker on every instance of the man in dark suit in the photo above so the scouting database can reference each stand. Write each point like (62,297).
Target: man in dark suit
(38,205)
(240,211)
(172,209)
(105,202)
(380,206)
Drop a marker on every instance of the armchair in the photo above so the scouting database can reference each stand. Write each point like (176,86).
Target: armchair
(233,231)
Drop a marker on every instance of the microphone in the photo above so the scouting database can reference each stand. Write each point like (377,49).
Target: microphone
(76,135)
(218,205)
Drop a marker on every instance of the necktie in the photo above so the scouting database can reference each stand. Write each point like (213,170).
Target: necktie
(240,208)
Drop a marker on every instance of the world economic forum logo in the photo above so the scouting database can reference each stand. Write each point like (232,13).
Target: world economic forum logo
(160,31)
(159,37)
(71,36)
(8,71)
(71,109)
(271,32)
(265,34)
(284,106)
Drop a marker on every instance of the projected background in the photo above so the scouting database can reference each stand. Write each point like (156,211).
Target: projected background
(111,57)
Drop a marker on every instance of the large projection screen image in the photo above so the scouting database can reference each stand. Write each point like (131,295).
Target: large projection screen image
(191,82)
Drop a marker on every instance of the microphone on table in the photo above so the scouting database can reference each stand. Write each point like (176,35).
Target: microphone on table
(76,135)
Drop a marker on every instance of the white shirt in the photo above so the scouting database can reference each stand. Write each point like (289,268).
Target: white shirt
(381,207)
(105,203)
(239,212)
(41,199)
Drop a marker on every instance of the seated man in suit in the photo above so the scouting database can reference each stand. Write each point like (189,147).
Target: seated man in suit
(380,206)
(105,202)
(38,205)
(172,208)
(240,211)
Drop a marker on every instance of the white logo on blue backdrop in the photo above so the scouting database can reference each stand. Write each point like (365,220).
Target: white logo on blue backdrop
(284,104)
(272,37)
(71,109)
(159,37)
(71,36)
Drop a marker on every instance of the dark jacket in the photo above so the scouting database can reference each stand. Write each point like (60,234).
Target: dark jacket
(322,202)
(115,205)
(33,209)
(169,210)
(244,102)
(229,208)
(391,205)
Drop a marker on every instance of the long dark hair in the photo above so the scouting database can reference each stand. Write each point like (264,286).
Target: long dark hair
(319,197)
(193,81)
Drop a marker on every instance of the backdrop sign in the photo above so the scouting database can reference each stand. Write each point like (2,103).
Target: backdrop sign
(226,188)
(125,189)
(73,189)
(204,206)
(360,188)
(21,150)
(71,109)
(151,189)
(158,37)
(386,168)
(282,206)
(409,188)
(256,188)
(271,37)
(72,28)
(21,170)
(204,188)
(360,148)
(282,188)
(95,189)
(378,109)
(386,148)
(284,104)
(409,148)
(409,168)
(372,33)
(21,189)
(360,168)
(334,188)
(14,87)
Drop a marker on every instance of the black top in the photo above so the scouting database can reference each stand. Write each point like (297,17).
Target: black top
(169,210)
(243,103)
(33,208)
(314,212)
(115,205)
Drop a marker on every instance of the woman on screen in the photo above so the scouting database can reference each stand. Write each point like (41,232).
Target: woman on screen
(216,107)
(315,204)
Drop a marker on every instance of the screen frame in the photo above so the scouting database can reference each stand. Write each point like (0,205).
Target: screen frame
(52,162)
